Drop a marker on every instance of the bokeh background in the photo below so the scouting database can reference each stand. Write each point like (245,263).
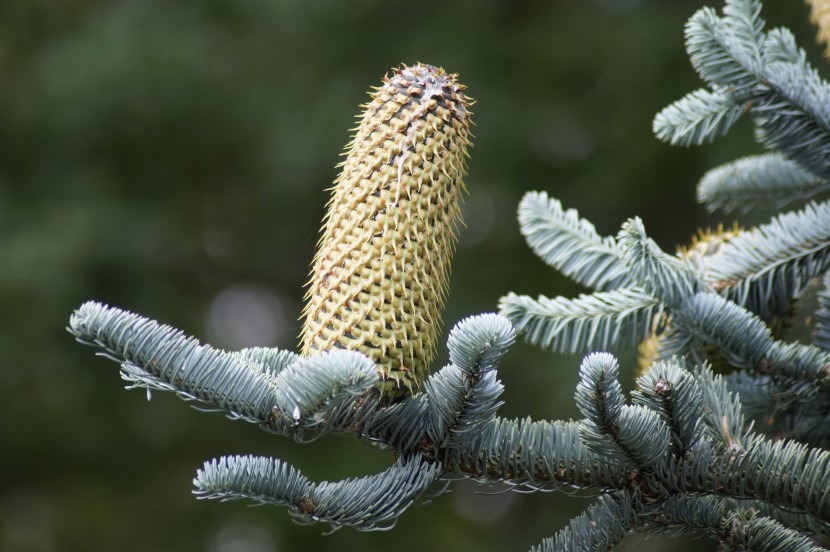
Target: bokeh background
(172,158)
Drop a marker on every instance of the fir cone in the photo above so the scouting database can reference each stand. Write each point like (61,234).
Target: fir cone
(381,272)
(820,17)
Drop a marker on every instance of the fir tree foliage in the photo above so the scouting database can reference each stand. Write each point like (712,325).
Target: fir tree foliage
(366,503)
(756,181)
(725,436)
(612,428)
(822,334)
(767,76)
(766,267)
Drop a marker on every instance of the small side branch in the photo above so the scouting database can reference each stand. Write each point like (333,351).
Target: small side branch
(365,503)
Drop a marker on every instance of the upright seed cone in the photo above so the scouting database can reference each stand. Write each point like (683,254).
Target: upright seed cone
(382,268)
(820,17)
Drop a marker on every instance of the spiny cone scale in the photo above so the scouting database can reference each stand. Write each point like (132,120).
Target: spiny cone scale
(381,272)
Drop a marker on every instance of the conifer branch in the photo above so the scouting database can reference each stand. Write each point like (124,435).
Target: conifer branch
(680,456)
(476,344)
(743,19)
(599,321)
(724,52)
(535,454)
(822,332)
(262,480)
(158,357)
(780,47)
(734,530)
(722,413)
(803,524)
(698,117)
(571,244)
(272,359)
(663,275)
(767,74)
(767,267)
(672,392)
(366,503)
(468,388)
(311,388)
(402,426)
(741,337)
(784,473)
(756,181)
(631,435)
(600,528)
(798,371)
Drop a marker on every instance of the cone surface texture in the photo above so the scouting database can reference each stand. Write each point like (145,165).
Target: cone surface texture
(381,272)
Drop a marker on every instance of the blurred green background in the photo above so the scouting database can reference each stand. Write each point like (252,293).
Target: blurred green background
(172,158)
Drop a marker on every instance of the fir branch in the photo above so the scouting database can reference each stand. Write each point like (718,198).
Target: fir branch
(158,357)
(743,18)
(798,371)
(734,530)
(599,395)
(681,456)
(698,117)
(460,405)
(788,407)
(794,117)
(365,503)
(783,473)
(662,275)
(768,73)
(760,394)
(465,395)
(599,321)
(798,361)
(675,342)
(806,422)
(765,268)
(535,454)
(476,344)
(768,535)
(252,384)
(263,480)
(807,525)
(402,426)
(310,389)
(822,334)
(722,414)
(272,359)
(741,337)
(800,97)
(571,244)
(722,53)
(780,47)
(600,528)
(673,393)
(691,514)
(758,180)
(632,435)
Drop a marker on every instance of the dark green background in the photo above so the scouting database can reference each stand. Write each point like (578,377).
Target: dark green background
(172,158)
